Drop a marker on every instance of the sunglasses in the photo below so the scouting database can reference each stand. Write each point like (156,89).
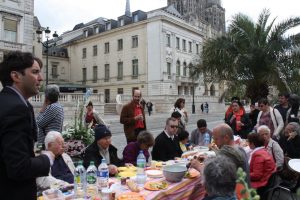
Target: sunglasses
(173,126)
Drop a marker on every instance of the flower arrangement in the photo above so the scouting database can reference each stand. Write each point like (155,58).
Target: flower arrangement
(246,192)
(78,131)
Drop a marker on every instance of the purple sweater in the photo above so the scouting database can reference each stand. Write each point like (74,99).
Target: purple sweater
(131,153)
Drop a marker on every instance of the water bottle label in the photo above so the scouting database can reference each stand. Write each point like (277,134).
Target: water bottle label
(77,179)
(91,179)
(103,174)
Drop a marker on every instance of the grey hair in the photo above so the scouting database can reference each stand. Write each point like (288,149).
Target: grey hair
(263,127)
(52,93)
(51,137)
(296,127)
(219,176)
(145,137)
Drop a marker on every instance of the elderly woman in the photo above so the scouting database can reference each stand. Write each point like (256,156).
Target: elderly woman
(145,140)
(224,187)
(238,120)
(290,142)
(262,165)
(270,117)
(271,146)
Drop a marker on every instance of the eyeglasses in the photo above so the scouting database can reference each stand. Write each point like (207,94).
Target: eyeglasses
(173,126)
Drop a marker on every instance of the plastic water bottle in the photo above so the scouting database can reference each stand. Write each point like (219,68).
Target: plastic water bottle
(206,139)
(103,175)
(80,181)
(141,164)
(91,180)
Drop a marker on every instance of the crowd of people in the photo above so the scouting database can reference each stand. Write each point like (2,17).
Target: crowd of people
(272,135)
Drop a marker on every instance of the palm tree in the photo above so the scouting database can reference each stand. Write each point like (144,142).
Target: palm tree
(255,55)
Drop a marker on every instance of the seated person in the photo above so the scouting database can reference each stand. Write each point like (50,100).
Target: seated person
(145,140)
(183,138)
(197,135)
(224,187)
(177,116)
(271,145)
(262,165)
(102,148)
(166,145)
(63,168)
(290,142)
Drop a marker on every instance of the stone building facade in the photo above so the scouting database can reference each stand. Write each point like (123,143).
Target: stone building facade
(16,25)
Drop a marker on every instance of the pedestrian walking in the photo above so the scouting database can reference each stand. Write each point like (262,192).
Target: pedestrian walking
(149,107)
(202,107)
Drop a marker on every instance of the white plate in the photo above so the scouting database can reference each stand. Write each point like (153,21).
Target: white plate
(201,148)
(295,164)
(153,173)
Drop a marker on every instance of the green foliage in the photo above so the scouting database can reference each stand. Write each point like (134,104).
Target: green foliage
(256,55)
(252,195)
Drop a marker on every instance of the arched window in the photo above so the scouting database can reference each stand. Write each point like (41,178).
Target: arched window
(206,90)
(184,69)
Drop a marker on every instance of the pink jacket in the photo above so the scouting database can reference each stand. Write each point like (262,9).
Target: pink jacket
(262,166)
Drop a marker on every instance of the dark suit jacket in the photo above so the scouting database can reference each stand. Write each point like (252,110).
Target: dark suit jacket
(127,118)
(18,165)
(92,154)
(165,148)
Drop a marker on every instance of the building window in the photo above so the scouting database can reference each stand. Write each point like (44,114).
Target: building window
(120,44)
(197,48)
(184,69)
(183,45)
(121,22)
(86,34)
(135,18)
(168,40)
(135,68)
(10,30)
(95,50)
(177,43)
(106,47)
(96,29)
(95,74)
(190,47)
(120,91)
(135,41)
(120,71)
(84,53)
(178,68)
(107,26)
(106,72)
(83,75)
(169,70)
(54,71)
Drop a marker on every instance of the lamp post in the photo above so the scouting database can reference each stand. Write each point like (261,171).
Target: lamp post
(46,44)
(192,74)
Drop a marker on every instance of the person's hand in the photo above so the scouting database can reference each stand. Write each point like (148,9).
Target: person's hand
(239,123)
(292,135)
(112,169)
(196,164)
(213,146)
(139,117)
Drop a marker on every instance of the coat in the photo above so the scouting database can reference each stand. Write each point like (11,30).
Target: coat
(262,166)
(127,119)
(19,167)
(92,154)
(243,132)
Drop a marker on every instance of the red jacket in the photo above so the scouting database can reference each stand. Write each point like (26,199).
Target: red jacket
(262,166)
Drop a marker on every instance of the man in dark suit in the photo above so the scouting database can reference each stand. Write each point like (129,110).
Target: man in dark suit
(166,146)
(133,117)
(20,75)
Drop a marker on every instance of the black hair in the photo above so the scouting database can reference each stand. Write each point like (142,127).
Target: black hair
(201,123)
(182,135)
(176,114)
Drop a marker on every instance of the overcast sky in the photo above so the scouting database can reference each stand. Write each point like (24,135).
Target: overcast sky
(63,15)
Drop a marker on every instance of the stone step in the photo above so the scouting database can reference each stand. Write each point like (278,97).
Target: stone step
(110,109)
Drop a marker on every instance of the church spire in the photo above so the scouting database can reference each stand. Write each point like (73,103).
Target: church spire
(127,11)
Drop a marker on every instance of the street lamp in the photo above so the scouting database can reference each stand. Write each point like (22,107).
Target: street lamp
(46,44)
(192,74)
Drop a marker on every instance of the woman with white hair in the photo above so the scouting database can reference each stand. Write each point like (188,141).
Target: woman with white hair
(62,170)
(271,146)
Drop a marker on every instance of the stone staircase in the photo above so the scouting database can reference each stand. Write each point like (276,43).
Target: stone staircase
(110,109)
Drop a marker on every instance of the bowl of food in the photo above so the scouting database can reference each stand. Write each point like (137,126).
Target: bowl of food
(174,173)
